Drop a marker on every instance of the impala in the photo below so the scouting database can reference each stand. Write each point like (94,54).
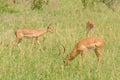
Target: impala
(82,46)
(89,26)
(30,33)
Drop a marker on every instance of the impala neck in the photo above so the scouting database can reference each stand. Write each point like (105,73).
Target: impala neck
(43,31)
(71,56)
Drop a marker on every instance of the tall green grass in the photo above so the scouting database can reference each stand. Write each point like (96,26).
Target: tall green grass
(68,22)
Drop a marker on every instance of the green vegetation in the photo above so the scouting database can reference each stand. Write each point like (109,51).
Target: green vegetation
(68,20)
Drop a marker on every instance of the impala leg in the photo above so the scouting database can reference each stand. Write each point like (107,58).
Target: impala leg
(19,47)
(33,41)
(39,44)
(38,41)
(83,55)
(18,43)
(98,54)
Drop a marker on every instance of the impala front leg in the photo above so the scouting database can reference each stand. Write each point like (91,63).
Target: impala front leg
(33,41)
(39,44)
(18,40)
(38,41)
(82,55)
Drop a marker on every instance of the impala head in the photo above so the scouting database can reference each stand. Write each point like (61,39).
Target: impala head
(65,61)
(90,24)
(49,29)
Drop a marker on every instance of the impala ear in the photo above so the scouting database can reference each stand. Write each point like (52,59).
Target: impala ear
(48,27)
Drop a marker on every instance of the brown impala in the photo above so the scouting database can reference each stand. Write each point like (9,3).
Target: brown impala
(30,33)
(82,46)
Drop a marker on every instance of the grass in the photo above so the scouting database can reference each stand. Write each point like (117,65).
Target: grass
(68,21)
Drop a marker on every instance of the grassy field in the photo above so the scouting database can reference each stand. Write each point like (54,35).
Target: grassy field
(68,22)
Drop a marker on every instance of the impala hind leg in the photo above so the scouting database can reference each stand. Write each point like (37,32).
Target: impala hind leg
(98,54)
(18,41)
